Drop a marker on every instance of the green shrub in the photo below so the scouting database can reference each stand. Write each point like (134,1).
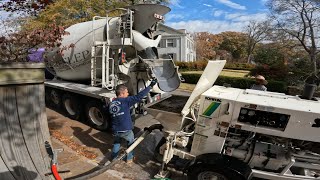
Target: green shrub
(271,63)
(274,72)
(239,66)
(237,82)
(189,66)
(182,65)
(201,65)
(277,86)
(191,78)
(299,70)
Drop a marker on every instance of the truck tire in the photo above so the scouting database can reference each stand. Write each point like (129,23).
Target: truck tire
(217,166)
(53,97)
(97,117)
(71,106)
(204,171)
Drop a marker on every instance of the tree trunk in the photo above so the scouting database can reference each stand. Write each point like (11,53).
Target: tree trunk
(249,59)
(313,59)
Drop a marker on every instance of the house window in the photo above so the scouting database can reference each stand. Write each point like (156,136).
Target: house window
(170,43)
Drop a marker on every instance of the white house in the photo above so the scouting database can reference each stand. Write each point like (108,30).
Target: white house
(178,44)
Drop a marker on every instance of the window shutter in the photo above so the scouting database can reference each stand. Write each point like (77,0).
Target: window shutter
(174,42)
(163,43)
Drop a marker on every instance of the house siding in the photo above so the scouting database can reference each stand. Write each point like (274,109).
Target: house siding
(183,45)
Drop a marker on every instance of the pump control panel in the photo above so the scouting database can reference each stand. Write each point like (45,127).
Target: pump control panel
(263,118)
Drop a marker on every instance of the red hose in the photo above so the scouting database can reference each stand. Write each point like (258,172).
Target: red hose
(55,172)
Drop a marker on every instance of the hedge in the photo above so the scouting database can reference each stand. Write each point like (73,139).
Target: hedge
(239,66)
(201,65)
(237,82)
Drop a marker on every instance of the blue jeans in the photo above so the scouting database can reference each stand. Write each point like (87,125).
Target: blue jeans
(128,136)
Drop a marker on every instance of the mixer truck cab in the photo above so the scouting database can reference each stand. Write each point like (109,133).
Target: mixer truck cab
(106,52)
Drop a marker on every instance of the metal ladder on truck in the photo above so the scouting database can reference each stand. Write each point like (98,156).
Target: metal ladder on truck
(100,52)
(108,79)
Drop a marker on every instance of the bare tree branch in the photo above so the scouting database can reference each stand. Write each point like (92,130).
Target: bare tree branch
(256,32)
(300,19)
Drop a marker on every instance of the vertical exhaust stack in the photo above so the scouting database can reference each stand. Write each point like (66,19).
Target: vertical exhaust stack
(308,91)
(310,86)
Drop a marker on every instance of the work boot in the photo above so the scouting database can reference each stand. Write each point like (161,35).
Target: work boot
(130,161)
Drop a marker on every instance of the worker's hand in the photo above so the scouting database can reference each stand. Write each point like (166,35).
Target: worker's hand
(103,99)
(153,82)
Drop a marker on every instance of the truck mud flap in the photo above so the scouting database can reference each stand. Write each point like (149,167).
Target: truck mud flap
(166,73)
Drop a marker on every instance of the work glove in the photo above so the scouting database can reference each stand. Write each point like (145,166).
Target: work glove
(153,82)
(103,99)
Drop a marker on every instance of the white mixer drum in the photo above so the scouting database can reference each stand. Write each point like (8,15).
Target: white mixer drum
(75,62)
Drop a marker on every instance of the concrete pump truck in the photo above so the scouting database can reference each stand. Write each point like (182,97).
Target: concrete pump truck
(229,133)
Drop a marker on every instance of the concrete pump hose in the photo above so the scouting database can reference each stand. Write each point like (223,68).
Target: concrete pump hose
(101,170)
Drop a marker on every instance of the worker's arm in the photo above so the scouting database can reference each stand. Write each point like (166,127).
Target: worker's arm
(137,98)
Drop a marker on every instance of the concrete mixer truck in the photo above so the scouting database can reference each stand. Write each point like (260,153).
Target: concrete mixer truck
(106,52)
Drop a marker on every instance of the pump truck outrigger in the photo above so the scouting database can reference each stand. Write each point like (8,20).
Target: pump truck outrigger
(106,52)
(230,134)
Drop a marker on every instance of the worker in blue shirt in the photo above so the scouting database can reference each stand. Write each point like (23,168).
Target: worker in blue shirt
(121,121)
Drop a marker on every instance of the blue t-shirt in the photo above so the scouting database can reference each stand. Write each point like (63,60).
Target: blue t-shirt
(119,110)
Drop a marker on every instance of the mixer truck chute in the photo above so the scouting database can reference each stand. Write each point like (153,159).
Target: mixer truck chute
(106,52)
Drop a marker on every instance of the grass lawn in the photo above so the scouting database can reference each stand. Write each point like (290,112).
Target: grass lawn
(187,87)
(225,72)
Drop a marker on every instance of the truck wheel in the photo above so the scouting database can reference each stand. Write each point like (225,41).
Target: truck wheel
(71,106)
(203,172)
(54,98)
(97,116)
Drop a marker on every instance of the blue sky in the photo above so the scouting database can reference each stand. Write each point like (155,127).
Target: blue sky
(214,16)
